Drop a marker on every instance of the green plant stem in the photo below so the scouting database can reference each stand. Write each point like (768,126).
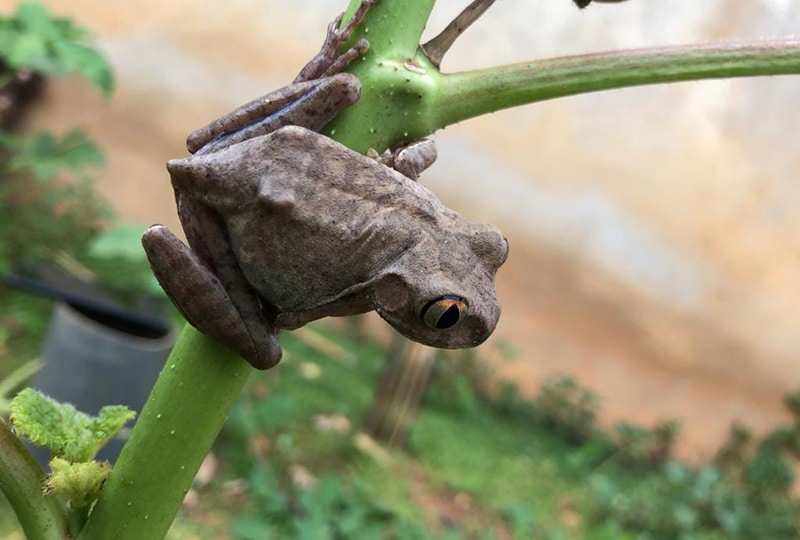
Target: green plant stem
(469,94)
(21,479)
(406,98)
(76,520)
(389,109)
(393,28)
(188,405)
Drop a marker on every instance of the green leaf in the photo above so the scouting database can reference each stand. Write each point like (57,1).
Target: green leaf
(69,433)
(77,483)
(83,59)
(27,50)
(32,37)
(118,260)
(45,155)
(123,241)
(34,19)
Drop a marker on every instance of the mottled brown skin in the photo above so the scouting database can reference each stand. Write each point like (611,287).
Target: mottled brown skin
(287,226)
(320,230)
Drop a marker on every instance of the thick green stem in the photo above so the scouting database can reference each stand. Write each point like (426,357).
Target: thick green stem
(473,93)
(393,28)
(187,407)
(21,479)
(407,98)
(393,75)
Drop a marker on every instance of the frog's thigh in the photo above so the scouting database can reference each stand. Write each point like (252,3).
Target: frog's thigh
(202,299)
(296,319)
(344,307)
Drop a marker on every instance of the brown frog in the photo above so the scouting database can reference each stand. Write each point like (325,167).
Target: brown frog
(287,226)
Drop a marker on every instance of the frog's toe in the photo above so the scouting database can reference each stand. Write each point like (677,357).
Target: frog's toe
(265,353)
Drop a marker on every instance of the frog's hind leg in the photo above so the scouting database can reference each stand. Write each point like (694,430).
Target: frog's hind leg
(204,301)
(409,160)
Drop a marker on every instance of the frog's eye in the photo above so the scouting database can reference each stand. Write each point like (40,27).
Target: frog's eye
(444,312)
(505,252)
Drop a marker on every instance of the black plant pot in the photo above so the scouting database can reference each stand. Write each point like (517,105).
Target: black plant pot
(94,358)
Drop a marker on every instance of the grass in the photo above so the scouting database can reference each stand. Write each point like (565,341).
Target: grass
(467,472)
(500,466)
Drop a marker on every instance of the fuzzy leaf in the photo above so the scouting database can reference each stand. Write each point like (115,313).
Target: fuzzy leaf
(77,483)
(69,433)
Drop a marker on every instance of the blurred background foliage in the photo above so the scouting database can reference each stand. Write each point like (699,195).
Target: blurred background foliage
(51,214)
(478,461)
(481,462)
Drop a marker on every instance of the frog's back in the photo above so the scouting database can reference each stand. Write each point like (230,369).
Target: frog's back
(328,217)
(322,173)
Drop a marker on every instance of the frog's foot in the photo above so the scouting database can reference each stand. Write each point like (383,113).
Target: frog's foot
(328,60)
(411,159)
(203,300)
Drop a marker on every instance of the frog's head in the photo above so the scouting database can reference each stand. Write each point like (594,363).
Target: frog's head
(444,296)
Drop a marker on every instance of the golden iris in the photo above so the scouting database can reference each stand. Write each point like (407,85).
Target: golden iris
(444,312)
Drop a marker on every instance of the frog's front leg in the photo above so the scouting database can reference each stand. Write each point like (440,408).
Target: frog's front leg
(328,60)
(310,104)
(316,96)
(229,314)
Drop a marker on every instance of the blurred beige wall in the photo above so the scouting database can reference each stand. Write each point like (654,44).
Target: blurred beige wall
(655,252)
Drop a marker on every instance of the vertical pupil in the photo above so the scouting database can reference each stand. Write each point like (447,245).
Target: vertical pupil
(449,317)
